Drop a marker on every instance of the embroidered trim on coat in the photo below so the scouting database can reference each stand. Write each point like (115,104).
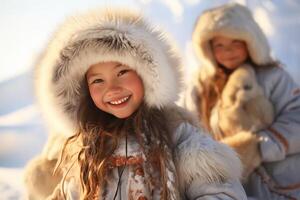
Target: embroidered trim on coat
(280,137)
(272,185)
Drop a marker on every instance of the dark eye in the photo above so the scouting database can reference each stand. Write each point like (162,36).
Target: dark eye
(98,80)
(238,43)
(215,46)
(247,87)
(124,71)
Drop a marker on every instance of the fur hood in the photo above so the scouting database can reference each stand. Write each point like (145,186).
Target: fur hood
(99,36)
(230,20)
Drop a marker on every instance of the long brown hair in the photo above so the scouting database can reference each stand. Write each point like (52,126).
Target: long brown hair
(212,87)
(100,133)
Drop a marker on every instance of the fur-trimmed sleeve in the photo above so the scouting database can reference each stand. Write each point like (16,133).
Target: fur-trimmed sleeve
(205,167)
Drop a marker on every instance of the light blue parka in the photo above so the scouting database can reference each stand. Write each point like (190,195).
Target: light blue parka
(279,175)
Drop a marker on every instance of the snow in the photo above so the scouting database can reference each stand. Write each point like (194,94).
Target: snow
(11,186)
(22,132)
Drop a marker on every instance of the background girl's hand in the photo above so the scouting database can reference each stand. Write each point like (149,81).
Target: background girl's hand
(246,144)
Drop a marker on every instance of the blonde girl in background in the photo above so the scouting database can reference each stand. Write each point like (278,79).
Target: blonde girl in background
(108,81)
(225,39)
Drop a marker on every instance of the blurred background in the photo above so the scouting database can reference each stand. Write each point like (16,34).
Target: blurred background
(27,25)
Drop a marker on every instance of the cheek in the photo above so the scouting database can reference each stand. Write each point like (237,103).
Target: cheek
(96,94)
(243,52)
(135,84)
(245,55)
(218,54)
(138,88)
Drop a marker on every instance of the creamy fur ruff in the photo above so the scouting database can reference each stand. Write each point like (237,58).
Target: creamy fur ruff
(230,20)
(199,159)
(206,161)
(100,36)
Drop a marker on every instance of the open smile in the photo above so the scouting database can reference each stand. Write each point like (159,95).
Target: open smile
(231,59)
(119,101)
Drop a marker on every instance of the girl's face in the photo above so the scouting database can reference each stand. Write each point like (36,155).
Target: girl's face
(115,88)
(228,52)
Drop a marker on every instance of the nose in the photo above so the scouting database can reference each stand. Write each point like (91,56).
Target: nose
(228,49)
(113,88)
(113,91)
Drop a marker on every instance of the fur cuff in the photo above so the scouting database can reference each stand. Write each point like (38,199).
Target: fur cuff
(200,157)
(246,145)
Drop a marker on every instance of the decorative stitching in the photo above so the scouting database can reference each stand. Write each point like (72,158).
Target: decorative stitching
(280,137)
(272,185)
(296,92)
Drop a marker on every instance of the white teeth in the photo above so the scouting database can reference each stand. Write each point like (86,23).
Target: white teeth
(119,101)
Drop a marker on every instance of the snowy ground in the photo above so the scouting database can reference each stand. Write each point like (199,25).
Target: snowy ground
(22,134)
(11,186)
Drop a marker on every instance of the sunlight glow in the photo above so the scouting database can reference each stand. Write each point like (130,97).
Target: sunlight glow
(264,21)
(176,8)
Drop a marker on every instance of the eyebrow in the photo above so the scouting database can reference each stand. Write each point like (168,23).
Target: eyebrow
(115,67)
(119,65)
(90,75)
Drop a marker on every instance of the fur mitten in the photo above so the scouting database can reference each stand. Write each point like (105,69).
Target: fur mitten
(243,105)
(39,178)
(246,145)
(38,175)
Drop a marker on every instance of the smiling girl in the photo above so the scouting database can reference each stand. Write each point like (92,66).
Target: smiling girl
(109,81)
(227,38)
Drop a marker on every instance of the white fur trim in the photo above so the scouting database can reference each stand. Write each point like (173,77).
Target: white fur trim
(202,158)
(76,46)
(230,20)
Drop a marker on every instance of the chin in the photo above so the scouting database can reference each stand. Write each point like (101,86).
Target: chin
(231,67)
(122,115)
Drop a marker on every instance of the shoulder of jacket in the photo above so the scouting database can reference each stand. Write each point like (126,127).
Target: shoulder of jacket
(272,71)
(176,115)
(273,76)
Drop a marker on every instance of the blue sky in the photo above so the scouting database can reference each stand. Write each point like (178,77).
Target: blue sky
(27,25)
